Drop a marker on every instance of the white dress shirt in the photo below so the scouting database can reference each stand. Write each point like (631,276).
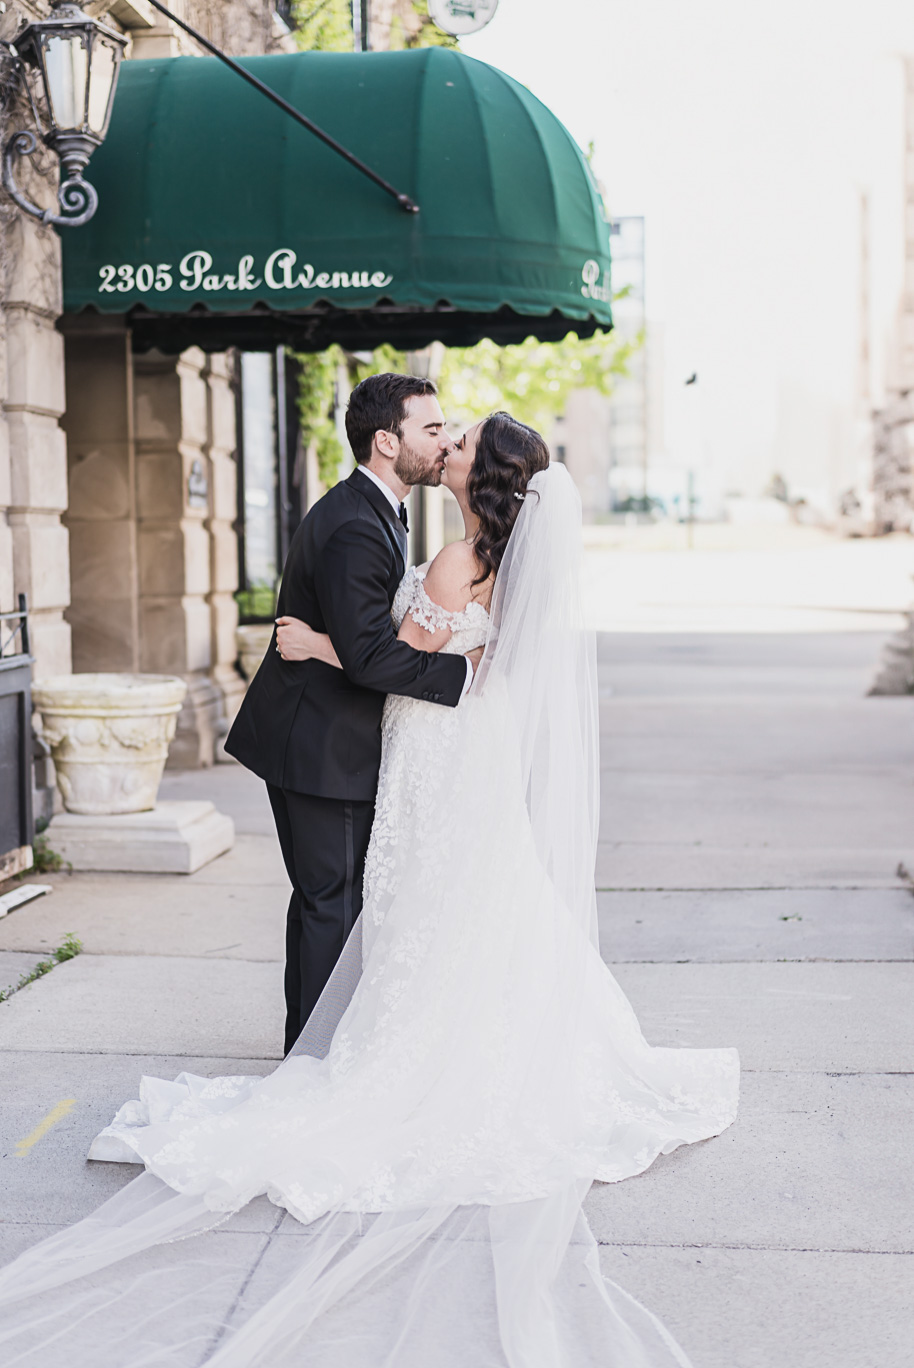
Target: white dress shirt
(386,490)
(396,505)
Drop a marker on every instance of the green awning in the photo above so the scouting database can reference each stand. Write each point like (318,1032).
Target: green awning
(223,222)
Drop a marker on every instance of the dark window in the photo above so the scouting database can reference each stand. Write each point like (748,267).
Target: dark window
(270,466)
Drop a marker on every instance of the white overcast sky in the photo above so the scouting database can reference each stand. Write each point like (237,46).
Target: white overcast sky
(745,133)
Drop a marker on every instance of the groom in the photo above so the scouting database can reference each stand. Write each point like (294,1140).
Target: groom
(314,732)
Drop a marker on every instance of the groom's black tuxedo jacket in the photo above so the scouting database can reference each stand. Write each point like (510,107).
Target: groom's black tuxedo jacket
(307,726)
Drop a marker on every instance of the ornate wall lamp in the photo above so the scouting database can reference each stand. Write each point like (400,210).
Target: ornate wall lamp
(75,62)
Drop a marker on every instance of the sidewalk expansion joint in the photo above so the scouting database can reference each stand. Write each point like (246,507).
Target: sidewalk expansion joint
(809,959)
(761,1248)
(890,883)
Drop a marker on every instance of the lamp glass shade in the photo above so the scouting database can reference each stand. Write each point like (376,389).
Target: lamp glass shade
(67,76)
(101,85)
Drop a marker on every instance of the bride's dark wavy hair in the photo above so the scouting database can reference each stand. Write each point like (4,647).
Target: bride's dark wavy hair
(508,454)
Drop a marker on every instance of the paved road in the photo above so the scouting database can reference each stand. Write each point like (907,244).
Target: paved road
(756,807)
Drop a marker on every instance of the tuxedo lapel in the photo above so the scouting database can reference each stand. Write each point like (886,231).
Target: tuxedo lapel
(392,524)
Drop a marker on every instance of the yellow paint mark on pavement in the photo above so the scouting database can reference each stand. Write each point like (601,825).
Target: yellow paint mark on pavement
(44,1125)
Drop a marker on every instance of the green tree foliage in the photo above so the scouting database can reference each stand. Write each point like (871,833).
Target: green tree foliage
(326,26)
(532,380)
(384,358)
(317,398)
(422,31)
(323,25)
(317,378)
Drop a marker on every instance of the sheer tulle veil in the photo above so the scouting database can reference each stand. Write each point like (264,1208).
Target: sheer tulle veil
(498,1270)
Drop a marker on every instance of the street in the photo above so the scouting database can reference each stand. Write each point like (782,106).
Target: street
(756,807)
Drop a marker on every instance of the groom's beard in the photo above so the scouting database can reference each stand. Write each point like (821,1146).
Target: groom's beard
(414,469)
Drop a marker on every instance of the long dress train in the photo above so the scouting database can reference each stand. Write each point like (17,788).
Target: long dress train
(471,1067)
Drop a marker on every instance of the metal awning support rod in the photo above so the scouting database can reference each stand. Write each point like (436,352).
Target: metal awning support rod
(404,201)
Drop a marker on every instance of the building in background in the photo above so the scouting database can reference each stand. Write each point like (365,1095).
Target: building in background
(606,442)
(888,503)
(628,405)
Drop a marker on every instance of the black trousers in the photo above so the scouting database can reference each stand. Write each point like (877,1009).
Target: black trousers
(323,842)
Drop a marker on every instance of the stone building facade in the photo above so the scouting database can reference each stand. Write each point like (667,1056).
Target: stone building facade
(117,472)
(893,424)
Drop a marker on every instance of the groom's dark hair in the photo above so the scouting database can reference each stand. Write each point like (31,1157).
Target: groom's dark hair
(378,404)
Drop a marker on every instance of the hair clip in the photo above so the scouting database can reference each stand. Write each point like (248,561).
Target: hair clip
(520,496)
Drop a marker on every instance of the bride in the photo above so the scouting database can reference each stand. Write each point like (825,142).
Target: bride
(470,1068)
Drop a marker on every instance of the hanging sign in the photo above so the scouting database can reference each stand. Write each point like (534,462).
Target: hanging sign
(459,17)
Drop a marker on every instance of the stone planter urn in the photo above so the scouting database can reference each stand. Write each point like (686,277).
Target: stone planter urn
(252,641)
(109,736)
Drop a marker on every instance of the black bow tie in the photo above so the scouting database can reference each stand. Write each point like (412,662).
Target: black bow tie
(403,518)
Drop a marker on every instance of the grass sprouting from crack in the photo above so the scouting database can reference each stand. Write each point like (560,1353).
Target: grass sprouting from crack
(69,949)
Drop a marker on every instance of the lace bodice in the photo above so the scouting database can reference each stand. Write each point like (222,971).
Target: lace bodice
(469,627)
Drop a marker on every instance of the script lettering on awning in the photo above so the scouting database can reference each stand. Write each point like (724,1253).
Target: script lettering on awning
(592,289)
(281,271)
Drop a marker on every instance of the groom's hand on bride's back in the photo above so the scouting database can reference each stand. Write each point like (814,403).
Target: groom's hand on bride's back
(295,640)
(475,656)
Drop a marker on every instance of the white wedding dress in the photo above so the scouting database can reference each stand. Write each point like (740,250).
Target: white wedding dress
(470,1069)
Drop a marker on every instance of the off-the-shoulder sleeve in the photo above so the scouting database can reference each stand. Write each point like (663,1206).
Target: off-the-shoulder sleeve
(429,615)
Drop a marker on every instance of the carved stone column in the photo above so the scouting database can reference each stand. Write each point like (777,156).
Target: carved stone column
(220,524)
(171,405)
(101,517)
(154,553)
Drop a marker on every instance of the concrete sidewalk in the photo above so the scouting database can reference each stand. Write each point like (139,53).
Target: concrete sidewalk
(756,808)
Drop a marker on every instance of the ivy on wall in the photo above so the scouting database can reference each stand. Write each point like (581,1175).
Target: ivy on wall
(318,381)
(317,391)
